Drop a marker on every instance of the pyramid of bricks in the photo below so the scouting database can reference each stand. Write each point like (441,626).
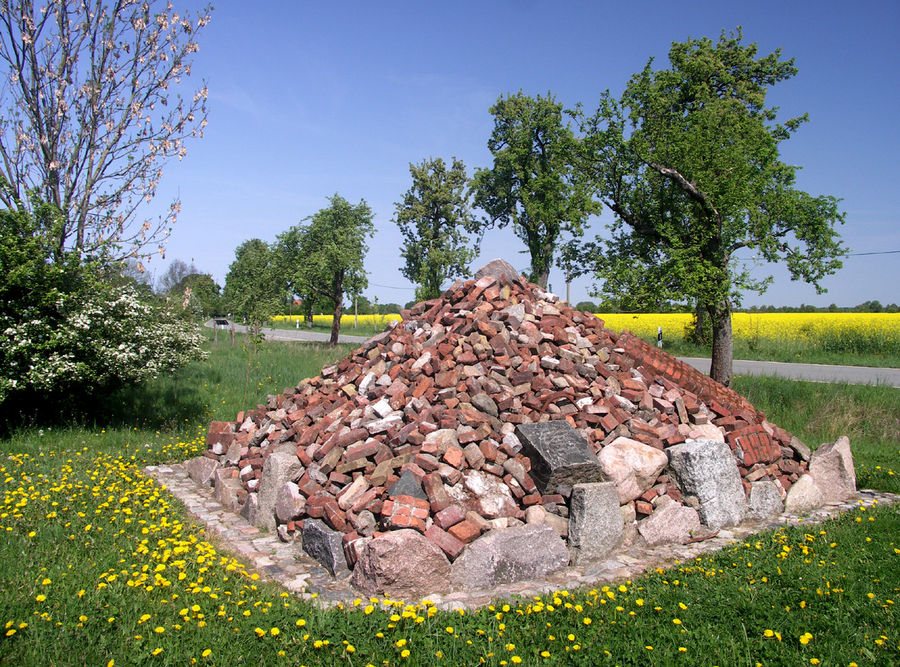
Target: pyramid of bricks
(424,426)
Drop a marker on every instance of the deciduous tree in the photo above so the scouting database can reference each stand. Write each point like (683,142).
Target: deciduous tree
(533,184)
(325,257)
(436,222)
(253,288)
(91,107)
(688,161)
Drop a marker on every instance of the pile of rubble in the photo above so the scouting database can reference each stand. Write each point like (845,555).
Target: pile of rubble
(497,434)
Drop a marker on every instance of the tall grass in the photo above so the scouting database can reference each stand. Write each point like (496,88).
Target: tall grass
(819,413)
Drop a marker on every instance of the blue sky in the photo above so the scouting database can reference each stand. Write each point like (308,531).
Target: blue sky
(311,98)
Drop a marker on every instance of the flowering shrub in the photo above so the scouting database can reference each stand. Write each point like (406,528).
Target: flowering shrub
(94,339)
(65,325)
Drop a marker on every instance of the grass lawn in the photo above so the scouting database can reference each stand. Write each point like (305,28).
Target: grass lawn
(798,352)
(98,565)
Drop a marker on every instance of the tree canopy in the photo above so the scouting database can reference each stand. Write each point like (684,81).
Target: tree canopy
(325,257)
(688,161)
(90,109)
(434,218)
(534,184)
(253,289)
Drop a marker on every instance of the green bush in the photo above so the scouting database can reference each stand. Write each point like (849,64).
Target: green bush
(67,328)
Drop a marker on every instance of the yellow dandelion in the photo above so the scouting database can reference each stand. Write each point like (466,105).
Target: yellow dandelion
(206,653)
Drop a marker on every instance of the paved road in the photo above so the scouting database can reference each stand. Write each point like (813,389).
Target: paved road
(298,335)
(809,372)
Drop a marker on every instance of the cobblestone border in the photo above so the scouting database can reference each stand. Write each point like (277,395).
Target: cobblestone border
(290,567)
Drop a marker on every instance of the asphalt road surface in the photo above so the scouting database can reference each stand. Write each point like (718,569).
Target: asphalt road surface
(809,372)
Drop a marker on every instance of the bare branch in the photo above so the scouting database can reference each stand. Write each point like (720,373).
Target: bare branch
(91,108)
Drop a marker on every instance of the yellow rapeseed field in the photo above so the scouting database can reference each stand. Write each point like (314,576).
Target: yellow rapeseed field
(837,332)
(859,332)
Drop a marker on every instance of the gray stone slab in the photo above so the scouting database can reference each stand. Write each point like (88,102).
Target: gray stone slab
(201,469)
(595,521)
(559,455)
(831,466)
(324,544)
(765,500)
(407,485)
(500,269)
(507,555)
(281,466)
(706,470)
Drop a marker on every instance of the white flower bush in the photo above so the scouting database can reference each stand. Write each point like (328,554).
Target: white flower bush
(93,339)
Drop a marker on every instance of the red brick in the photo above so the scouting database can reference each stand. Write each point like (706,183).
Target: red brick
(449,544)
(454,456)
(643,507)
(436,492)
(449,516)
(465,531)
(533,499)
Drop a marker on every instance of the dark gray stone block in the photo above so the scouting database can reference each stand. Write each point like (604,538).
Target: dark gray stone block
(407,485)
(324,544)
(559,455)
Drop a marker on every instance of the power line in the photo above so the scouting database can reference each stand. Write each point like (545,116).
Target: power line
(392,287)
(880,252)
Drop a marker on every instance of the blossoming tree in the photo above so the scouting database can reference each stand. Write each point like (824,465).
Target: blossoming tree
(91,107)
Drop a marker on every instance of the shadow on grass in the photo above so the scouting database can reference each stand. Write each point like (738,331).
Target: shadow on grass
(163,404)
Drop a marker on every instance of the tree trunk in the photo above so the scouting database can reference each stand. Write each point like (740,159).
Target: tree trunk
(699,324)
(338,307)
(722,345)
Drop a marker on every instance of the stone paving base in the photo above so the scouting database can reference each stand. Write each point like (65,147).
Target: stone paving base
(289,566)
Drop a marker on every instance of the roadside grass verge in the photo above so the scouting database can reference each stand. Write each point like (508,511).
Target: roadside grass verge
(365,329)
(817,413)
(785,350)
(99,564)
